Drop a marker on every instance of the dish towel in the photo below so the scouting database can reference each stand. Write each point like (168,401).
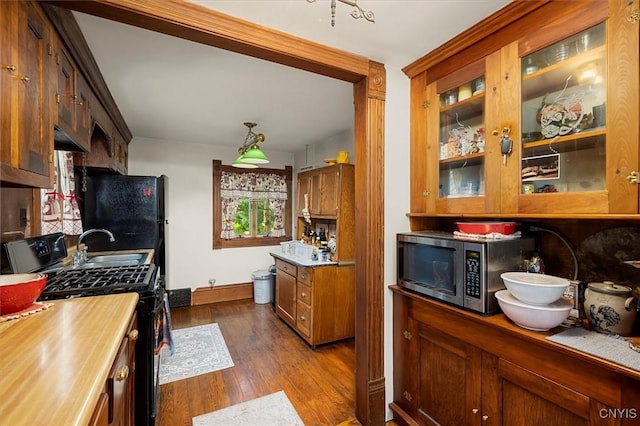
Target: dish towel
(610,347)
(164,329)
(489,236)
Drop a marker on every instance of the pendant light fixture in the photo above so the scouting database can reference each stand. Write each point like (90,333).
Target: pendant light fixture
(250,154)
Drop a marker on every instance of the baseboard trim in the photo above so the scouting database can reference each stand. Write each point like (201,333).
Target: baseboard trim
(222,293)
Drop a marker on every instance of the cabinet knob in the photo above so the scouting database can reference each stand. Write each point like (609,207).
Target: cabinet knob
(303,276)
(484,418)
(634,177)
(133,335)
(11,68)
(302,318)
(474,411)
(25,79)
(303,294)
(407,396)
(123,373)
(407,335)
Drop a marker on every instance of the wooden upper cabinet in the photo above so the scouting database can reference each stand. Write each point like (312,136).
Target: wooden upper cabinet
(330,192)
(26,74)
(537,125)
(323,189)
(73,126)
(65,93)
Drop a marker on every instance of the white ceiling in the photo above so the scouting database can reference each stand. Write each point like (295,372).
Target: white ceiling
(168,88)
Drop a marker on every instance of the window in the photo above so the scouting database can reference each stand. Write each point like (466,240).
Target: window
(251,207)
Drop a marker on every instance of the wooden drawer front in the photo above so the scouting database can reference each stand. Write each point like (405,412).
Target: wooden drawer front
(286,267)
(303,320)
(305,275)
(304,294)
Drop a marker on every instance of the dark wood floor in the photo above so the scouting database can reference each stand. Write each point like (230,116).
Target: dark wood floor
(268,357)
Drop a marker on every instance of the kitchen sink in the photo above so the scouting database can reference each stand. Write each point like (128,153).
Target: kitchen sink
(119,259)
(104,264)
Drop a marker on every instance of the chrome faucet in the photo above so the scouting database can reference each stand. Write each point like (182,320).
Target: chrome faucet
(81,254)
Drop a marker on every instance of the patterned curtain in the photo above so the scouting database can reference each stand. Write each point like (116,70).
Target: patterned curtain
(254,186)
(60,211)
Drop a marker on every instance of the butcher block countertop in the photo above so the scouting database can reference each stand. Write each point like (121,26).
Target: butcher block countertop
(54,363)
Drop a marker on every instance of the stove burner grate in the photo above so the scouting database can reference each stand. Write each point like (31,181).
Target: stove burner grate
(96,281)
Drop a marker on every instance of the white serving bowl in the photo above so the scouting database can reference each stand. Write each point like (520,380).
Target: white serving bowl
(533,317)
(534,289)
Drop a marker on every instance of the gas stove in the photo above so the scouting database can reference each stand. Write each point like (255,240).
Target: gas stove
(98,281)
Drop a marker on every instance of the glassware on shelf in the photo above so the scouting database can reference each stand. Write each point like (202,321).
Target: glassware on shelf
(462,140)
(563,115)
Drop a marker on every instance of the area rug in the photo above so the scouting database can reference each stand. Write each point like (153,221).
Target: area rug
(271,410)
(198,350)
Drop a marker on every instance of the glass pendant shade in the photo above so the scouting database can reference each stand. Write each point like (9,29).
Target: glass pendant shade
(242,164)
(254,156)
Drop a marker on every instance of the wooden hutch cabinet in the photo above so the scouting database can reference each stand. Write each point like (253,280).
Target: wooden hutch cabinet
(545,123)
(318,300)
(459,368)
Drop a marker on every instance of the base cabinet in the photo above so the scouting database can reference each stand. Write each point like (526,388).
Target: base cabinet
(450,371)
(317,302)
(116,404)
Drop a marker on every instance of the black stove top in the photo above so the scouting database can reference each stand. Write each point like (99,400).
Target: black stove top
(96,281)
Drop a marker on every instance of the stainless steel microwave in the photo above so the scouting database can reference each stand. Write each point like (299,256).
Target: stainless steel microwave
(461,271)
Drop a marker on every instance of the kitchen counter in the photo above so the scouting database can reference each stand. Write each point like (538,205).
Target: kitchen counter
(301,261)
(54,364)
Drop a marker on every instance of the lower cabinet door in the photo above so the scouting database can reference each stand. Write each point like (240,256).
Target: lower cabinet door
(286,297)
(100,416)
(118,386)
(449,379)
(528,398)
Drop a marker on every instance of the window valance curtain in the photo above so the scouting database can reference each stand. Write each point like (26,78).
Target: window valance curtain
(254,186)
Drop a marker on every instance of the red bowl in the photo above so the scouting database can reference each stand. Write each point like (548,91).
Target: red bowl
(483,228)
(19,291)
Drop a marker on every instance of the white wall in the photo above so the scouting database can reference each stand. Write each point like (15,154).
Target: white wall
(191,261)
(328,148)
(396,188)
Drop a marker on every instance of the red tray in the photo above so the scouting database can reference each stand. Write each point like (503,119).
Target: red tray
(483,228)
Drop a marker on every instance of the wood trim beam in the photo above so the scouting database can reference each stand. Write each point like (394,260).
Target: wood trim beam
(203,25)
(369,96)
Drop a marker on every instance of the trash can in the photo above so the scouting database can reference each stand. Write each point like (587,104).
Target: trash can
(272,269)
(262,286)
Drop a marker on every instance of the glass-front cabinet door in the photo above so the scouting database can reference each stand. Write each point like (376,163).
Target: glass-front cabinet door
(564,119)
(575,155)
(457,120)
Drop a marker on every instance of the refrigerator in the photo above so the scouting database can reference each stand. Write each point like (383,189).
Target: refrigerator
(132,208)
